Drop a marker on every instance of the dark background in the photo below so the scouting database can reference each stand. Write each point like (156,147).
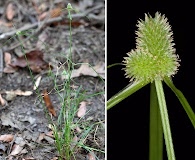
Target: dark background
(128,121)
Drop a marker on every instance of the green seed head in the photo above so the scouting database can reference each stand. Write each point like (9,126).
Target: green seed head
(154,57)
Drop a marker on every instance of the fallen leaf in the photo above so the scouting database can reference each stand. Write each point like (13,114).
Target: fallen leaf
(48,103)
(10,11)
(54,158)
(24,151)
(82,109)
(10,96)
(16,149)
(50,134)
(8,68)
(37,82)
(2,101)
(43,16)
(23,93)
(56,12)
(35,61)
(6,137)
(19,92)
(41,137)
(49,139)
(7,58)
(87,70)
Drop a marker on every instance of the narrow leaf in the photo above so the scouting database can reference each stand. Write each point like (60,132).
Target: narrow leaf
(127,91)
(182,100)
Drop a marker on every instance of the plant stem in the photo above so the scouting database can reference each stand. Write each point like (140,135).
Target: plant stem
(127,91)
(156,132)
(165,120)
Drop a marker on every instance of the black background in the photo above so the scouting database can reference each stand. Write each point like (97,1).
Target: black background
(128,121)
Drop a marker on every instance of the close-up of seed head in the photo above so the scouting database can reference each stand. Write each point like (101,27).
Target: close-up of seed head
(154,56)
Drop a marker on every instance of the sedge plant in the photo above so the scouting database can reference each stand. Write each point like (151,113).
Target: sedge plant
(152,62)
(64,129)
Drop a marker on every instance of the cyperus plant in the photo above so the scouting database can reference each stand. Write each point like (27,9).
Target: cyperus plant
(153,61)
(154,58)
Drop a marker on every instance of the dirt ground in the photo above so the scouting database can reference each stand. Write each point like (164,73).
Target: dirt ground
(21,113)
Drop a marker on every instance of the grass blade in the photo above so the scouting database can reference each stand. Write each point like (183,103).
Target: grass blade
(182,100)
(127,91)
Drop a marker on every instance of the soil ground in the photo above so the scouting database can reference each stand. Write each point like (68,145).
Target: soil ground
(24,116)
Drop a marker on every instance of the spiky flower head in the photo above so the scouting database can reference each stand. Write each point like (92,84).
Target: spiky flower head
(154,57)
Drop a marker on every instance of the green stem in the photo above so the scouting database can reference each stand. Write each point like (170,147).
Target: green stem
(115,64)
(127,91)
(165,120)
(156,132)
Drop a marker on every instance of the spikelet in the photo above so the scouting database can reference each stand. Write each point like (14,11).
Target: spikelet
(154,57)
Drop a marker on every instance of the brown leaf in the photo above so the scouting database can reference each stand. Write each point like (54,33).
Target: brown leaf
(48,103)
(7,58)
(35,61)
(82,109)
(87,70)
(10,11)
(41,137)
(56,12)
(19,92)
(2,101)
(16,149)
(6,137)
(43,16)
(50,134)
(8,68)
